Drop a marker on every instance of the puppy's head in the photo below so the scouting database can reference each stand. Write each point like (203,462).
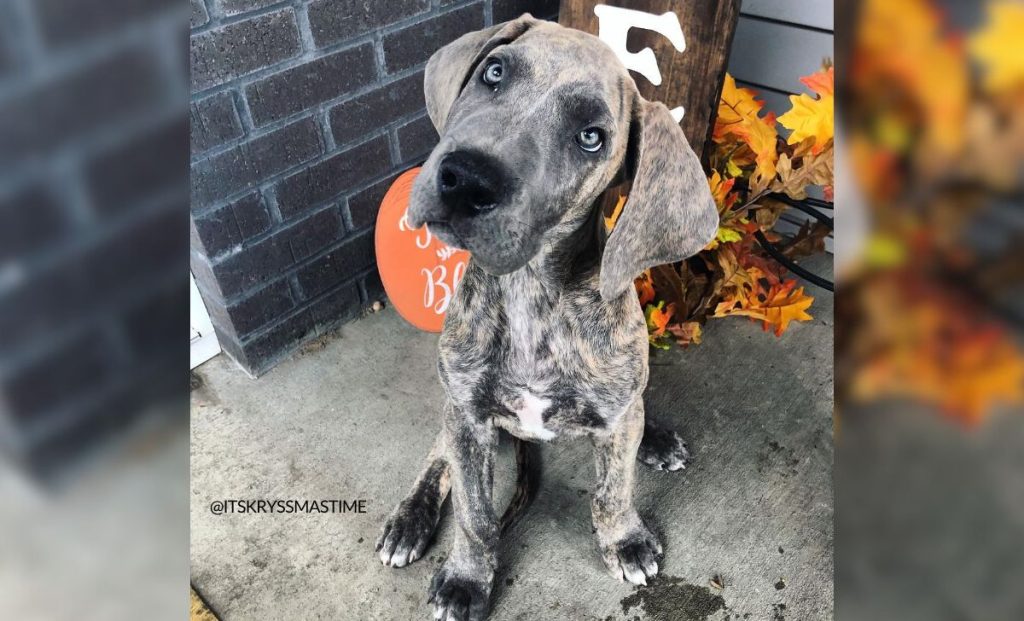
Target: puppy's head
(536,121)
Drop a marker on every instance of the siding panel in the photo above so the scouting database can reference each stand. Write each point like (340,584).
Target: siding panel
(816,13)
(776,55)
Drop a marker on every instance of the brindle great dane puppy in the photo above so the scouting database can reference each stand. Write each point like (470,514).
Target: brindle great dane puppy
(544,338)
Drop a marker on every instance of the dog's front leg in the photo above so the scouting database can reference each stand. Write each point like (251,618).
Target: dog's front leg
(629,549)
(461,589)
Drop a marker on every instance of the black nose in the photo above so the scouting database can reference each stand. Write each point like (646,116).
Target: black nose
(470,182)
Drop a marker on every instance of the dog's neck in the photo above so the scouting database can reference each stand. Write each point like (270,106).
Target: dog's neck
(573,253)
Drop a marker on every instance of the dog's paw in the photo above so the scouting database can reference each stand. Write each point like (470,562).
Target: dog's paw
(461,592)
(407,532)
(663,449)
(634,557)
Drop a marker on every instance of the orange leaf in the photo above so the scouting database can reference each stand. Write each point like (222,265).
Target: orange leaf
(821,82)
(644,288)
(658,318)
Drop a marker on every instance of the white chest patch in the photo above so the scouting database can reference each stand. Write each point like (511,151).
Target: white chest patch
(530,411)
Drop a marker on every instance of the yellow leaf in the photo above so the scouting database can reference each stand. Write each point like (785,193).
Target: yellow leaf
(738,116)
(726,235)
(736,106)
(810,117)
(609,222)
(999,47)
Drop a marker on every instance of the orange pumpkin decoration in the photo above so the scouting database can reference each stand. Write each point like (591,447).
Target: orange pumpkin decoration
(419,271)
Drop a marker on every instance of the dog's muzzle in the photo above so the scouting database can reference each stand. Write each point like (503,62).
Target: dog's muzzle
(470,183)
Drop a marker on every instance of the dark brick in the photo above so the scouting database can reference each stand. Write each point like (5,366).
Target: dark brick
(89,101)
(338,265)
(313,233)
(504,10)
(65,373)
(333,177)
(339,305)
(150,164)
(149,326)
(245,316)
(132,259)
(251,267)
(416,139)
(232,51)
(263,350)
(364,114)
(363,206)
(60,294)
(236,7)
(33,218)
(222,229)
(335,20)
(374,288)
(300,88)
(212,122)
(200,16)
(243,166)
(414,45)
(63,24)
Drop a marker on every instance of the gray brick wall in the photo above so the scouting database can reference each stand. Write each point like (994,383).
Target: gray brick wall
(93,193)
(302,114)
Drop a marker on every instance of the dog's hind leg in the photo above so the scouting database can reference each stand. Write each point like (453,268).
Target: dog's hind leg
(629,549)
(410,528)
(663,449)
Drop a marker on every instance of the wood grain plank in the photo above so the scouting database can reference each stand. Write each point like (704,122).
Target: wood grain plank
(692,78)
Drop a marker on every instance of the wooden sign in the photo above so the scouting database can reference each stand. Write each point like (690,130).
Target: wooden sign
(419,271)
(676,50)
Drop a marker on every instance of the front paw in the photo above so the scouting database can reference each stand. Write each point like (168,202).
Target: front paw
(663,449)
(461,591)
(408,532)
(634,556)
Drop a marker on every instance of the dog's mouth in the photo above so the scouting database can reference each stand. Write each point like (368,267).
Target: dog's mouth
(447,234)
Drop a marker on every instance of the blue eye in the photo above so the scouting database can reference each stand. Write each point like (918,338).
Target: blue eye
(590,140)
(494,70)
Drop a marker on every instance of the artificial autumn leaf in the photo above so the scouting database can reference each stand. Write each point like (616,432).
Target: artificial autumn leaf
(721,191)
(810,239)
(726,235)
(999,47)
(609,221)
(821,82)
(738,115)
(657,321)
(780,305)
(814,170)
(686,333)
(812,116)
(736,107)
(891,42)
(644,288)
(657,317)
(919,339)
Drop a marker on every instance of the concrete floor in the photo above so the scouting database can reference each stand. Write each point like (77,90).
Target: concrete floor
(352,418)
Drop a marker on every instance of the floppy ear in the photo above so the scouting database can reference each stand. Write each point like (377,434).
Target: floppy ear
(670,214)
(450,67)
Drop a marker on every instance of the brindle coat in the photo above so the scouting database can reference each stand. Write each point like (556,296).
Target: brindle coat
(544,338)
